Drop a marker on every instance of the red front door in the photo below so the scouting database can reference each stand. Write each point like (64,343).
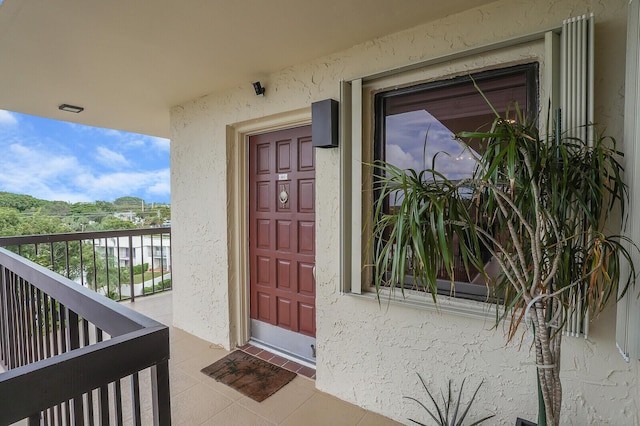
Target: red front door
(282,230)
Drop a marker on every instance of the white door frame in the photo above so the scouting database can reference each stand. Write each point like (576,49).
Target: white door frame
(238,213)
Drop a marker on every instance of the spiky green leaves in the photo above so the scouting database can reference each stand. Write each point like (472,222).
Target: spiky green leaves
(451,412)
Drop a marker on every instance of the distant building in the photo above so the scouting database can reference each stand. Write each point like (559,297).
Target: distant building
(143,249)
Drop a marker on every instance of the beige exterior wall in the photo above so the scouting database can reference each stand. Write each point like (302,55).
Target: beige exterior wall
(368,353)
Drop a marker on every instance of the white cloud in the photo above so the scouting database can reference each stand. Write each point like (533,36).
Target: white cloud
(113,185)
(54,176)
(111,159)
(36,172)
(135,143)
(112,132)
(401,159)
(160,143)
(32,160)
(7,118)
(162,188)
(126,141)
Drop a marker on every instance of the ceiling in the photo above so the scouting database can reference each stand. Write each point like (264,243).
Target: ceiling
(127,62)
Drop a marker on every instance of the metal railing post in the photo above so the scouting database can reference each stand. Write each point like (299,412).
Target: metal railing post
(161,394)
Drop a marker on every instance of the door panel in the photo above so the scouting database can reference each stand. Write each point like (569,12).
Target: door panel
(282,229)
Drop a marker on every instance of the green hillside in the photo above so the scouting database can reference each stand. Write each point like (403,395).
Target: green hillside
(22,214)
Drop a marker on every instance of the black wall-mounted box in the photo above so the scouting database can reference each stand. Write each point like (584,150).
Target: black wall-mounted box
(324,123)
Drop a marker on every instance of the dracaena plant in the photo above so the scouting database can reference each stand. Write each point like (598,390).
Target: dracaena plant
(451,412)
(539,206)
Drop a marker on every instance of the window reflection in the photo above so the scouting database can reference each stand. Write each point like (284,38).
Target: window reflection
(415,128)
(416,138)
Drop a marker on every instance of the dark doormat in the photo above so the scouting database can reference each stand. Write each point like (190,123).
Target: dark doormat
(249,375)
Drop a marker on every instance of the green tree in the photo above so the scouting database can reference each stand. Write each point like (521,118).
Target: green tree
(19,202)
(104,206)
(40,224)
(83,208)
(9,221)
(111,223)
(164,211)
(156,215)
(53,256)
(78,223)
(92,211)
(128,203)
(55,208)
(153,221)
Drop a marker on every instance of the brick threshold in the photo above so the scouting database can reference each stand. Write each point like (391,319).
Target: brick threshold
(274,359)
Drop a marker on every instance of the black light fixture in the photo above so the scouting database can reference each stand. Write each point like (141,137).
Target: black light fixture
(70,108)
(324,123)
(258,88)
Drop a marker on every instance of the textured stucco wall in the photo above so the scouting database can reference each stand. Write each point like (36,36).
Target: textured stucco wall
(368,354)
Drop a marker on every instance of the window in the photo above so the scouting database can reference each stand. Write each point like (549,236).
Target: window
(413,124)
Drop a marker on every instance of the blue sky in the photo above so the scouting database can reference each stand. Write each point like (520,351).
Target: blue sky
(55,160)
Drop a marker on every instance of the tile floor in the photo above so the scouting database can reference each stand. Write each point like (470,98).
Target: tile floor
(199,400)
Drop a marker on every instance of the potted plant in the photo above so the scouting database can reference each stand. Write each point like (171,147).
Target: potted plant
(538,206)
